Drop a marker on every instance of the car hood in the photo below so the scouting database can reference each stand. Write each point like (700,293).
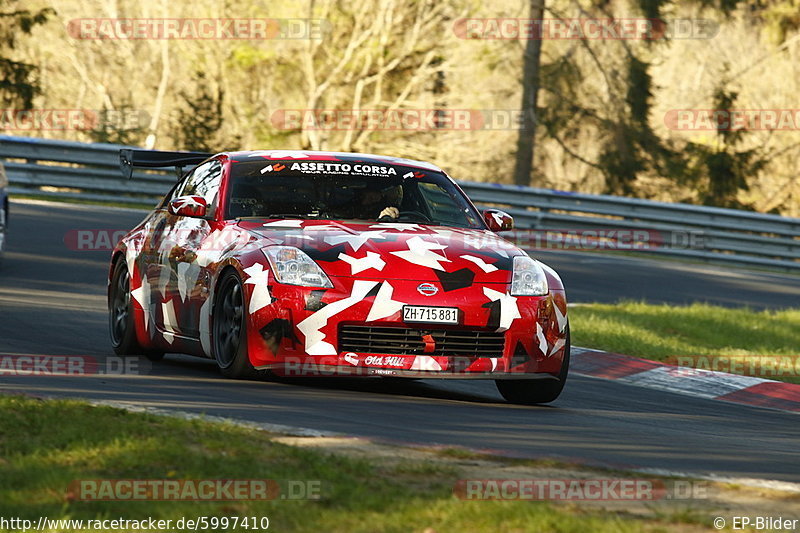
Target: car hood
(394,250)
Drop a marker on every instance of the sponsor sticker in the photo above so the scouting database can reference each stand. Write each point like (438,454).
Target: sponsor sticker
(380,360)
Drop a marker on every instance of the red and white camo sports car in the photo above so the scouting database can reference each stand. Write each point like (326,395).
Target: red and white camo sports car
(301,263)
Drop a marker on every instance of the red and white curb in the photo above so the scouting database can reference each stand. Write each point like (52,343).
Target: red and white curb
(710,384)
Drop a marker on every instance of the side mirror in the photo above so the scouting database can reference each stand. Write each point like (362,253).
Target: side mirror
(498,220)
(188,206)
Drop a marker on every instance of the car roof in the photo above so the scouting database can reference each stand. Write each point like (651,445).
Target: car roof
(316,155)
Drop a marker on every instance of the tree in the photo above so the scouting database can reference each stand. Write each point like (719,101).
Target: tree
(633,148)
(121,124)
(606,87)
(18,82)
(200,117)
(526,138)
(720,171)
(377,56)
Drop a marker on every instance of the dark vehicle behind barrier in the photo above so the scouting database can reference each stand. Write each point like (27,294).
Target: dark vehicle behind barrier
(3,209)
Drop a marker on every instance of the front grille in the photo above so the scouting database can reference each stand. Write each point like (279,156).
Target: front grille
(408,341)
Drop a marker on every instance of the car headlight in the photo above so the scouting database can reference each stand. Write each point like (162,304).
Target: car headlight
(292,266)
(528,277)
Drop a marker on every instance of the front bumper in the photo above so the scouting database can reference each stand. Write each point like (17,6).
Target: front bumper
(296,336)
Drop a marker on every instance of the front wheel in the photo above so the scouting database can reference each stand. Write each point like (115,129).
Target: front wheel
(536,391)
(229,329)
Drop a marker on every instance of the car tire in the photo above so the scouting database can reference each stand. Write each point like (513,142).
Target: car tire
(229,329)
(536,391)
(120,316)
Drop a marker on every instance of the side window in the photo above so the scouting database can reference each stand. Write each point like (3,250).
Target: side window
(203,181)
(171,195)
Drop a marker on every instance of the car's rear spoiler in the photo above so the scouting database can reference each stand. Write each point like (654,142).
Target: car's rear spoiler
(129,158)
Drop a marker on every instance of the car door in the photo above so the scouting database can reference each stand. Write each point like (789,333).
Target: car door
(153,257)
(188,260)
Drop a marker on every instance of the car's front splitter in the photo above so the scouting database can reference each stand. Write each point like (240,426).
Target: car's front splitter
(412,366)
(327,371)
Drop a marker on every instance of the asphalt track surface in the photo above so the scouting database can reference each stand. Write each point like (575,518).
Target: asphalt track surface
(52,301)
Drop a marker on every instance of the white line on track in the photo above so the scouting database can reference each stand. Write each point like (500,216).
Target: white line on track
(78,207)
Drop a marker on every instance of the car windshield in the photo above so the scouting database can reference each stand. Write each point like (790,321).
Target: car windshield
(344,190)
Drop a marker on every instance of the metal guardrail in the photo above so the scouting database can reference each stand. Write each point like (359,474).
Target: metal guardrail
(91,171)
(69,169)
(725,235)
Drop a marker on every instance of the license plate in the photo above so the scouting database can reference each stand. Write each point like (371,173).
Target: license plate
(436,315)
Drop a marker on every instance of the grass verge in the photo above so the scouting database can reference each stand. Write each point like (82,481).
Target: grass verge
(47,444)
(736,340)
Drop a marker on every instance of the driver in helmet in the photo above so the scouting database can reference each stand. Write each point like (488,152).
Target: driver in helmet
(389,199)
